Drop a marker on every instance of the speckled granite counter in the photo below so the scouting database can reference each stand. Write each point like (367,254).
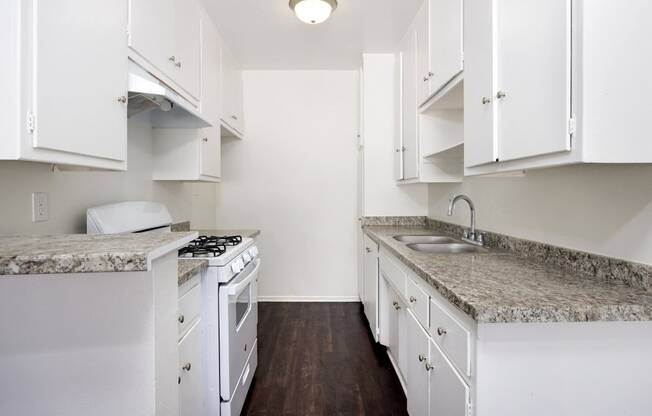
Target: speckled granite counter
(82,253)
(499,286)
(188,267)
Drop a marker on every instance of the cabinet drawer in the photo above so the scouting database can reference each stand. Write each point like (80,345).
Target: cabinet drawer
(190,387)
(418,301)
(189,309)
(392,273)
(451,337)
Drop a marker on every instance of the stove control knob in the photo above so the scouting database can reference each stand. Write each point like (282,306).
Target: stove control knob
(252,252)
(254,249)
(246,257)
(235,267)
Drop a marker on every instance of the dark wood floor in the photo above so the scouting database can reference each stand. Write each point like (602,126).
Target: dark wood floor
(320,359)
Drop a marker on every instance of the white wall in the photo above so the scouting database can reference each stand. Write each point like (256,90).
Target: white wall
(382,196)
(71,192)
(603,209)
(294,178)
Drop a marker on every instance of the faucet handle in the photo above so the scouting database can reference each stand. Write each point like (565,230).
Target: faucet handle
(466,233)
(481,237)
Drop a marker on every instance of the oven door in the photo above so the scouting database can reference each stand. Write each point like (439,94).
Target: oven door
(238,310)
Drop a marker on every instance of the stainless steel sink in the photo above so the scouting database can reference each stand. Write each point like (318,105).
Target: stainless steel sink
(432,239)
(446,248)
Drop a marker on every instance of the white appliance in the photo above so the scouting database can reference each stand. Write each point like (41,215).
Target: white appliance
(229,299)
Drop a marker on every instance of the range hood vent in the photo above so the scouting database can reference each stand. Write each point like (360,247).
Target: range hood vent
(167,108)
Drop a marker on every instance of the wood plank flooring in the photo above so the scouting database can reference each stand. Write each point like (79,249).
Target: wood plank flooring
(320,359)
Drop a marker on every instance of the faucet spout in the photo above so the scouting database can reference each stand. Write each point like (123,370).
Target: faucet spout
(465,198)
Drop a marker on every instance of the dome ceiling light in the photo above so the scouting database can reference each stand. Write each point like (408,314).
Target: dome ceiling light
(313,11)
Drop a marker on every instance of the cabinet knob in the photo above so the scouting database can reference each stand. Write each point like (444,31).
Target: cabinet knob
(413,299)
(403,149)
(441,331)
(425,79)
(429,366)
(486,100)
(396,305)
(398,150)
(500,95)
(422,357)
(181,319)
(430,74)
(204,139)
(178,64)
(367,249)
(187,367)
(234,117)
(122,99)
(172,58)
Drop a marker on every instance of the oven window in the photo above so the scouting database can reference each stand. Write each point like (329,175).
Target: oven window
(242,305)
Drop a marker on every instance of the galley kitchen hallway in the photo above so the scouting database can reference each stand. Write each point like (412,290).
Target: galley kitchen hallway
(319,359)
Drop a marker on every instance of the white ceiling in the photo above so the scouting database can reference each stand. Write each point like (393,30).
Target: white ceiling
(265,34)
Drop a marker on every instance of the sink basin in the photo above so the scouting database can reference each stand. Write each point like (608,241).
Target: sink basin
(432,239)
(446,248)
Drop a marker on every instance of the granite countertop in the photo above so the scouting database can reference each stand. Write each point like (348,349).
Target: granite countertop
(82,253)
(188,267)
(502,287)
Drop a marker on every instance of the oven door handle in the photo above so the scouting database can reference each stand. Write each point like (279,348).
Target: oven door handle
(236,288)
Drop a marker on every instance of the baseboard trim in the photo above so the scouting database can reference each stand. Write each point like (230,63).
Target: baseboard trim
(308,299)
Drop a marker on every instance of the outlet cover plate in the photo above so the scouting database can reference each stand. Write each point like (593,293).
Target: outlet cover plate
(40,209)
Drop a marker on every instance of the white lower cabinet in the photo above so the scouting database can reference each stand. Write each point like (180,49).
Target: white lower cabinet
(448,393)
(190,387)
(392,313)
(370,294)
(417,370)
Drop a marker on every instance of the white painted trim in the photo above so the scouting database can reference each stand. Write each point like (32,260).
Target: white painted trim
(309,298)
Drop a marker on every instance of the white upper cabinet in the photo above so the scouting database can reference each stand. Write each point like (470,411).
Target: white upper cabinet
(479,143)
(195,154)
(542,89)
(165,36)
(61,106)
(445,42)
(439,36)
(232,101)
(408,149)
(533,77)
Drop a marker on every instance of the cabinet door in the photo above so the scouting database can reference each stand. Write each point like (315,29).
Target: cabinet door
(417,375)
(445,41)
(190,386)
(398,135)
(409,107)
(187,41)
(533,77)
(76,89)
(393,305)
(210,149)
(449,394)
(231,89)
(371,284)
(423,54)
(479,131)
(151,32)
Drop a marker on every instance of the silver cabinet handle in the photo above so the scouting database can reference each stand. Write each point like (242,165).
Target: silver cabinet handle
(422,357)
(396,305)
(429,366)
(430,74)
(234,117)
(181,319)
(205,139)
(367,249)
(441,331)
(187,367)
(122,99)
(425,79)
(172,58)
(178,64)
(413,299)
(398,150)
(403,149)
(500,95)
(486,100)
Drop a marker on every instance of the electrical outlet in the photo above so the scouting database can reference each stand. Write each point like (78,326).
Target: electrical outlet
(40,207)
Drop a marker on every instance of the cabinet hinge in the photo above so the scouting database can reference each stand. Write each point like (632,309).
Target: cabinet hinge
(572,126)
(30,122)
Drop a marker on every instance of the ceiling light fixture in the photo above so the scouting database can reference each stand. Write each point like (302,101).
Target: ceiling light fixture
(313,11)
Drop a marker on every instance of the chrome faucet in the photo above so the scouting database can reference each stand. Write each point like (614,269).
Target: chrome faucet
(470,236)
